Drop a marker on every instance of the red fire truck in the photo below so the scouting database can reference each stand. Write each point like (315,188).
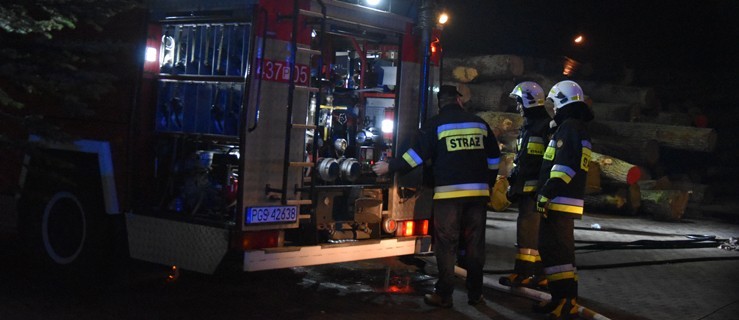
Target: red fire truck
(244,129)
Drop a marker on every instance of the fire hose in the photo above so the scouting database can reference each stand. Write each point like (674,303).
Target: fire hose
(583,312)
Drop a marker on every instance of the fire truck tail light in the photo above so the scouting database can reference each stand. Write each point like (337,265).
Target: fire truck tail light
(260,239)
(425,227)
(413,228)
(407,229)
(390,225)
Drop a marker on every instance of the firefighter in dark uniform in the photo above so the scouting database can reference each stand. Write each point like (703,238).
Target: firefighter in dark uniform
(464,155)
(560,197)
(527,271)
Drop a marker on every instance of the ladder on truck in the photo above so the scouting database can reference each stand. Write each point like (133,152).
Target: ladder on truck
(316,18)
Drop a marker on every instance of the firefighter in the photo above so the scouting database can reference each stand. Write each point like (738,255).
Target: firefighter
(560,195)
(527,271)
(463,154)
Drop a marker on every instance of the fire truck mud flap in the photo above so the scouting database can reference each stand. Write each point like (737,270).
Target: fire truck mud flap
(188,246)
(276,258)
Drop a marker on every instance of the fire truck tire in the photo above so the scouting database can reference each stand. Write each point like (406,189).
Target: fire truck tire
(66,233)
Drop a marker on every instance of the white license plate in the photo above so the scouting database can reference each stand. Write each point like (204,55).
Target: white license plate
(271,214)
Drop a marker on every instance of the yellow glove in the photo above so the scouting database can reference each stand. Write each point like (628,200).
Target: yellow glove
(542,203)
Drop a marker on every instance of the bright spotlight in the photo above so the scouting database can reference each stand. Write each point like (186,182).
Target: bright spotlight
(387,126)
(579,39)
(151,54)
(373,3)
(443,18)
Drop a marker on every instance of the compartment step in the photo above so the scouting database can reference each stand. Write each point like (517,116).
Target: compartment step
(307,88)
(299,202)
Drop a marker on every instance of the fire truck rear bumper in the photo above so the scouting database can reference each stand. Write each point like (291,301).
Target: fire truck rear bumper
(285,257)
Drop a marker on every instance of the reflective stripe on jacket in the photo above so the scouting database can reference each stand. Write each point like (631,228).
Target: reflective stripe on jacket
(565,167)
(462,149)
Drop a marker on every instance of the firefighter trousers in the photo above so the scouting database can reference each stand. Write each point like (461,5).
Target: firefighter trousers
(557,249)
(527,236)
(455,218)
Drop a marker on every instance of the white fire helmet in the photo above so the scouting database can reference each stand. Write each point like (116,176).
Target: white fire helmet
(531,94)
(564,93)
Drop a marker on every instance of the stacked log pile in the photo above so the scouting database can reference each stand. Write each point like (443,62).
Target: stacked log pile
(629,134)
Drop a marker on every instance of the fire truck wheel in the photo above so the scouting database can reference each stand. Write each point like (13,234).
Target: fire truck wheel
(66,232)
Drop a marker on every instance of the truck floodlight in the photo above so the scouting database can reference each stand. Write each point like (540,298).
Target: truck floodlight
(387,126)
(151,54)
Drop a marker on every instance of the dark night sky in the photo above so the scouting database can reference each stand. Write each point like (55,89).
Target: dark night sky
(698,37)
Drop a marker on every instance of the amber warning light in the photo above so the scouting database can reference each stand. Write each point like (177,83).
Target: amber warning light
(413,228)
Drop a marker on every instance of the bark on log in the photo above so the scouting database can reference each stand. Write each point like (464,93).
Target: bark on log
(664,205)
(505,126)
(663,183)
(614,111)
(491,96)
(678,137)
(630,193)
(592,182)
(610,203)
(620,201)
(671,119)
(699,193)
(448,69)
(639,152)
(644,96)
(504,121)
(617,169)
(495,67)
(633,199)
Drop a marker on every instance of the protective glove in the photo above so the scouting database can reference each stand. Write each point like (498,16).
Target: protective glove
(542,204)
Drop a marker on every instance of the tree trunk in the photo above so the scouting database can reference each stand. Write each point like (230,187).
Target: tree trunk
(464,74)
(609,203)
(665,205)
(617,169)
(505,126)
(495,67)
(630,193)
(640,152)
(678,137)
(491,96)
(670,119)
(699,193)
(448,70)
(609,111)
(604,92)
(505,121)
(592,182)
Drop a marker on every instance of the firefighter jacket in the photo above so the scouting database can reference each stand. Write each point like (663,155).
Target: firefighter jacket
(463,152)
(531,144)
(565,167)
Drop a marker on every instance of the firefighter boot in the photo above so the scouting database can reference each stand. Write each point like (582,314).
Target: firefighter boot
(521,276)
(540,282)
(435,299)
(516,280)
(540,279)
(560,289)
(564,310)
